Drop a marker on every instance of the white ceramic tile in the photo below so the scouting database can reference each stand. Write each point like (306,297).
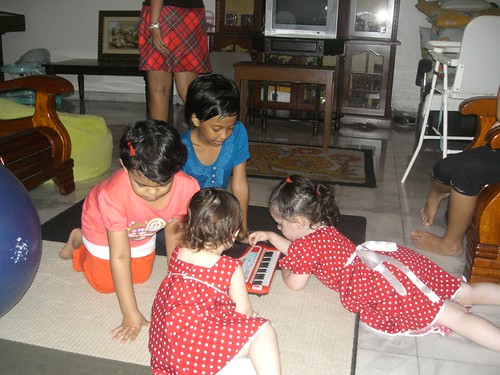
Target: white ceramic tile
(455,348)
(370,340)
(438,366)
(371,362)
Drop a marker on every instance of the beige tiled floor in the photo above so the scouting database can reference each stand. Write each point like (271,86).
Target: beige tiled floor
(392,210)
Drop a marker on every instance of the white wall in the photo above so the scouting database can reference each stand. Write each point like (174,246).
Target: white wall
(405,95)
(69,29)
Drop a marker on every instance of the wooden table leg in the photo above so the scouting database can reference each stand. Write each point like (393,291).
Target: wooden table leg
(242,85)
(81,93)
(327,131)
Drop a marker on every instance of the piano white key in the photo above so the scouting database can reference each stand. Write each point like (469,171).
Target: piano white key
(269,269)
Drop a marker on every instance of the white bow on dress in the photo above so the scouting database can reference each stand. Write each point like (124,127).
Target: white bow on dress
(370,254)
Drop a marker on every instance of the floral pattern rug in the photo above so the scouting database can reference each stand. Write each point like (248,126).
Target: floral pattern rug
(339,166)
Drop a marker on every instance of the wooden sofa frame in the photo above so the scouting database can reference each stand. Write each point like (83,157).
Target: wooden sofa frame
(482,261)
(37,148)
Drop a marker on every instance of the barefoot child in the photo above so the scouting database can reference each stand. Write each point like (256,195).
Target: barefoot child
(202,317)
(115,248)
(395,290)
(217,142)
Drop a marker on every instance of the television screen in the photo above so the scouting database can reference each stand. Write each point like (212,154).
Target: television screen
(297,12)
(300,18)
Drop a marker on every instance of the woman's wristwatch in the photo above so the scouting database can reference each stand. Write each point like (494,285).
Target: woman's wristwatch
(154,25)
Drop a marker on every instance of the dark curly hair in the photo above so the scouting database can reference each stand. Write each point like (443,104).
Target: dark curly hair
(211,95)
(154,149)
(214,219)
(297,195)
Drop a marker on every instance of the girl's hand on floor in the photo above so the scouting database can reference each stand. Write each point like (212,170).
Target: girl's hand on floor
(129,329)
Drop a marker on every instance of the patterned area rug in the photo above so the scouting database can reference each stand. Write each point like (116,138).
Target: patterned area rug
(340,166)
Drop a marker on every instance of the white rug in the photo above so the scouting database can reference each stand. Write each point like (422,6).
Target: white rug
(61,311)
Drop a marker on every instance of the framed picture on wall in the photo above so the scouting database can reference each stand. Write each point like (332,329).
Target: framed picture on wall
(118,35)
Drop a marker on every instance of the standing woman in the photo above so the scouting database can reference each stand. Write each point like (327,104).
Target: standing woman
(172,45)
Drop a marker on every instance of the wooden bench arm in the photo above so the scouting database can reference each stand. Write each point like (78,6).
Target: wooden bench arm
(493,138)
(45,118)
(44,83)
(485,109)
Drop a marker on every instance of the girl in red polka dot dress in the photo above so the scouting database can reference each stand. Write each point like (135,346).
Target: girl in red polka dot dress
(202,318)
(394,289)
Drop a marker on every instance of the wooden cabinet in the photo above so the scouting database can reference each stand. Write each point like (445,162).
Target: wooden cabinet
(364,54)
(368,62)
(373,19)
(368,71)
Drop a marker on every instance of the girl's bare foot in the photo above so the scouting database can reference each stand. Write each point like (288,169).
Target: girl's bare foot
(429,211)
(74,242)
(434,244)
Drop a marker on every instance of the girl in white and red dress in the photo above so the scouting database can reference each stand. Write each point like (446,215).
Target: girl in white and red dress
(202,318)
(394,289)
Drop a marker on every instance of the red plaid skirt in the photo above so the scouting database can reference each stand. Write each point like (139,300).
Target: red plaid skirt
(183,30)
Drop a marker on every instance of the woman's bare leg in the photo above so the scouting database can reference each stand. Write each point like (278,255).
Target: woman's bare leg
(472,327)
(159,87)
(182,81)
(74,242)
(461,209)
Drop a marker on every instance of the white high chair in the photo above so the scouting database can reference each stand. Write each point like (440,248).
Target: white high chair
(476,61)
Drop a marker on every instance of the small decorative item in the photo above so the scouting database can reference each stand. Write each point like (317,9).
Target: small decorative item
(247,20)
(231,19)
(238,15)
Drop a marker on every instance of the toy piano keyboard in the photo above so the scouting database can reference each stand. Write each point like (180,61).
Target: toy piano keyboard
(259,265)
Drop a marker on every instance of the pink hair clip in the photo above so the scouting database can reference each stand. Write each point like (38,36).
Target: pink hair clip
(131,149)
(288,180)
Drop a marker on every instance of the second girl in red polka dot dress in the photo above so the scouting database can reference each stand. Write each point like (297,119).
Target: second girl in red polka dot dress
(394,289)
(202,318)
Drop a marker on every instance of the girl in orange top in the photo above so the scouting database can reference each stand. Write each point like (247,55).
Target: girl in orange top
(115,247)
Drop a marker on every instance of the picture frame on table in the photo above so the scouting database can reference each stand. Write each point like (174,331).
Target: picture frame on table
(118,35)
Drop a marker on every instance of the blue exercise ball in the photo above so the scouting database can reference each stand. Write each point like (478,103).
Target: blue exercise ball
(20,241)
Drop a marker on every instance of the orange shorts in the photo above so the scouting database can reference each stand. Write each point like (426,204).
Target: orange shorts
(98,271)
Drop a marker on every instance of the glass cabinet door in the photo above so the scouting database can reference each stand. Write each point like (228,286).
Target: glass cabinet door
(366,78)
(238,15)
(371,18)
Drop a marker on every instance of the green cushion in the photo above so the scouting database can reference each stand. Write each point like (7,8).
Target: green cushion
(91,140)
